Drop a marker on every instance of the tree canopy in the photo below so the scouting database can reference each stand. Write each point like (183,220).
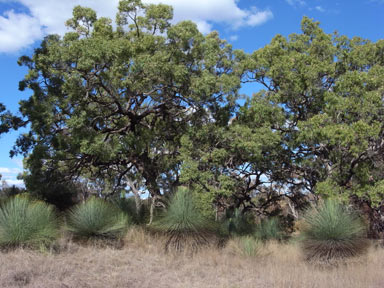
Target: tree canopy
(114,102)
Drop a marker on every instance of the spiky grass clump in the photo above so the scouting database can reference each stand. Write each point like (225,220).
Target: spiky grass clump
(269,229)
(27,223)
(97,218)
(184,224)
(247,246)
(331,233)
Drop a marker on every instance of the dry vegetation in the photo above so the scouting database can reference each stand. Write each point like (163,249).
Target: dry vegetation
(142,263)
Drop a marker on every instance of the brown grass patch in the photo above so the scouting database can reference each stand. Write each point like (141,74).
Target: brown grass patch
(143,263)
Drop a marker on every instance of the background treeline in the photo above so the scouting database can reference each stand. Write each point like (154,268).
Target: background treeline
(145,106)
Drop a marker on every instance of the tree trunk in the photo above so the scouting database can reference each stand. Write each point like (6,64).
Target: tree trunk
(136,194)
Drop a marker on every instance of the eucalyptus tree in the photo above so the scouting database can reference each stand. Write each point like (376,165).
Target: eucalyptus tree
(113,100)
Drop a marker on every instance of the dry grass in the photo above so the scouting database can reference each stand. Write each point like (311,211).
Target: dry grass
(142,263)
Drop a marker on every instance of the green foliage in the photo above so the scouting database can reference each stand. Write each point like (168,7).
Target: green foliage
(184,223)
(269,229)
(46,181)
(145,81)
(128,206)
(146,99)
(8,121)
(332,232)
(97,218)
(24,222)
(330,88)
(239,223)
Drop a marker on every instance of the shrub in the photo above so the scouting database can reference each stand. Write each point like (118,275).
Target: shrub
(246,246)
(269,229)
(183,223)
(24,222)
(331,232)
(97,218)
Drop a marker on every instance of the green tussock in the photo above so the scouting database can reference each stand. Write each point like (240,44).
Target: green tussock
(24,222)
(184,223)
(332,232)
(247,246)
(97,218)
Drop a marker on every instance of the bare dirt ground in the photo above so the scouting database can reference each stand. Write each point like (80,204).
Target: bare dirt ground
(142,263)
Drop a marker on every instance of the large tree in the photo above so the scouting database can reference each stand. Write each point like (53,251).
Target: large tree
(114,101)
(330,88)
(316,127)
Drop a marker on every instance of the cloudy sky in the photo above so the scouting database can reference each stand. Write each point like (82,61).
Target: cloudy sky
(247,24)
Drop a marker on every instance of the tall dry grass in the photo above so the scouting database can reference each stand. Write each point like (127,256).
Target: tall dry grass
(143,263)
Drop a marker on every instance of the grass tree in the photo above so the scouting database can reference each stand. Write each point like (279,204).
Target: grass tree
(332,232)
(97,218)
(27,223)
(245,245)
(184,223)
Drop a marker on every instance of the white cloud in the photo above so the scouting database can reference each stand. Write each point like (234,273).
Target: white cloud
(296,2)
(320,9)
(216,11)
(233,38)
(18,161)
(19,30)
(203,26)
(259,17)
(9,176)
(11,182)
(5,170)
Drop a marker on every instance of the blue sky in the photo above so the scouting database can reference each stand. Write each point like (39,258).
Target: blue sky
(247,24)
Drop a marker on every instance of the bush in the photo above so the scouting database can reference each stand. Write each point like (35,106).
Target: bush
(183,223)
(24,222)
(269,229)
(331,232)
(97,218)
